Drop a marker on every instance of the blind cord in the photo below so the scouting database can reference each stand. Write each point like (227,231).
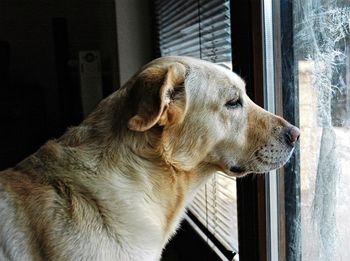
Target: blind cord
(199,27)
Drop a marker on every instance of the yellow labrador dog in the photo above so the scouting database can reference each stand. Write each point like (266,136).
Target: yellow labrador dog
(116,186)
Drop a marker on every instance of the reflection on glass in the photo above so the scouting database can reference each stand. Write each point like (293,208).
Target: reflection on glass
(322,40)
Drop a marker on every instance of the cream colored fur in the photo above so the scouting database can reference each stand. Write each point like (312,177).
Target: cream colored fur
(116,186)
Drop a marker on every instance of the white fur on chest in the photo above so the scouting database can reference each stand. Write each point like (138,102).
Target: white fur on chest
(139,220)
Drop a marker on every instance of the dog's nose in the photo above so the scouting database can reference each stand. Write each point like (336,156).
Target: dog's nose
(292,135)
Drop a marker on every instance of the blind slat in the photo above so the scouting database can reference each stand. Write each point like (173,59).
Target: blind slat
(215,32)
(203,209)
(208,51)
(214,217)
(184,8)
(222,214)
(213,220)
(222,198)
(224,237)
(194,23)
(172,9)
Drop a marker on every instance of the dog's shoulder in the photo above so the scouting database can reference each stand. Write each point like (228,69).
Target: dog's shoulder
(14,241)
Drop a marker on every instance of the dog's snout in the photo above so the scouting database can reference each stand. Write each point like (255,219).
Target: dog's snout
(292,135)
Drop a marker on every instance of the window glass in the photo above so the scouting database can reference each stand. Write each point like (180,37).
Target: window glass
(322,78)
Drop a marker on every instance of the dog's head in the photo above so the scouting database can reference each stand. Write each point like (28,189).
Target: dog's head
(205,116)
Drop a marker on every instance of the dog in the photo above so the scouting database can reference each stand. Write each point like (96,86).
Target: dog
(116,186)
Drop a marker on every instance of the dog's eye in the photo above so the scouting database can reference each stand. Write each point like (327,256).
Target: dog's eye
(234,103)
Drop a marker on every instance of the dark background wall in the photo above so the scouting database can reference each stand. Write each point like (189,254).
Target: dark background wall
(39,78)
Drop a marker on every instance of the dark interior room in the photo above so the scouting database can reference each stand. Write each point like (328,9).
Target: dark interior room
(60,59)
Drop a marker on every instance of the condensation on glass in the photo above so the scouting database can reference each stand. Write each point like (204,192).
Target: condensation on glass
(322,75)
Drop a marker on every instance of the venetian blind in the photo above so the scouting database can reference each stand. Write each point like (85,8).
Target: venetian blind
(202,29)
(194,28)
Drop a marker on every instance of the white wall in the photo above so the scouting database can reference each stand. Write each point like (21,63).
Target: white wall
(134,34)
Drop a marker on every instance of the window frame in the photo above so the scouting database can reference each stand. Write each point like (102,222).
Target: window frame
(252,192)
(247,56)
(286,85)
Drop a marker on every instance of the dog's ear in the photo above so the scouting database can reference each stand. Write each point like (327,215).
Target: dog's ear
(158,95)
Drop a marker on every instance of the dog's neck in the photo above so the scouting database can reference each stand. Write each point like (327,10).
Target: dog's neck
(111,166)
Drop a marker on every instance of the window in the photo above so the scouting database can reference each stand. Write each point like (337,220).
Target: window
(295,57)
(312,90)
(202,29)
(321,56)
